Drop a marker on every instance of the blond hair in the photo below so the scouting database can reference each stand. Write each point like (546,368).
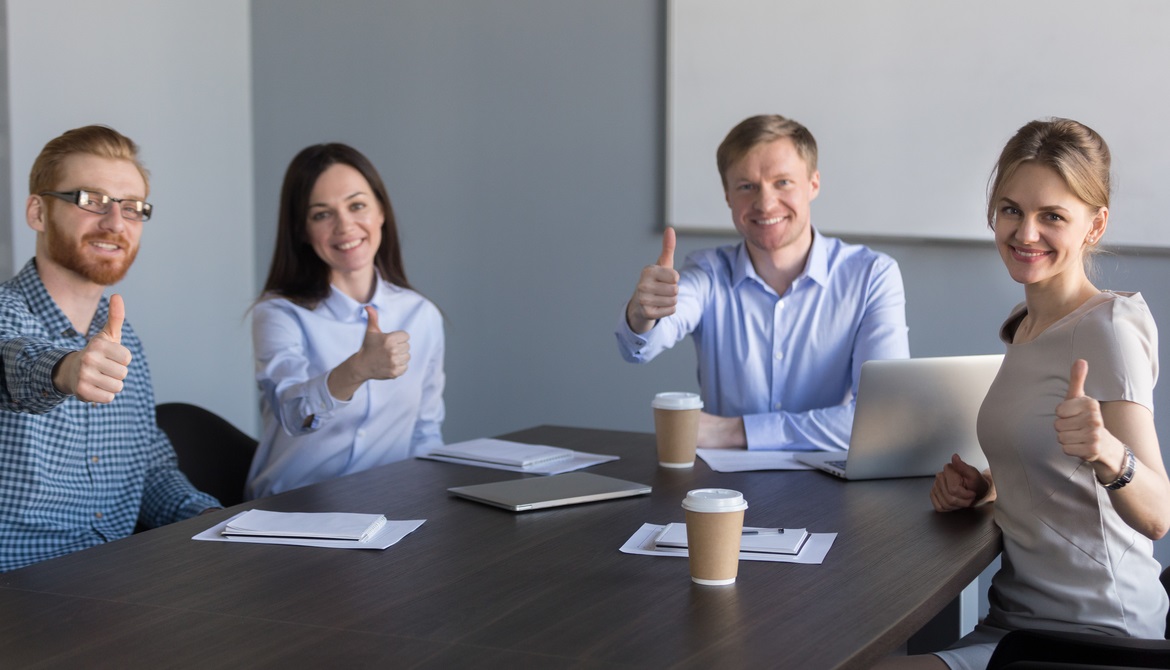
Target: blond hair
(756,130)
(1073,150)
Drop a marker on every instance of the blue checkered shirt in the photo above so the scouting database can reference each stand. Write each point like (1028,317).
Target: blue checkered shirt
(74,474)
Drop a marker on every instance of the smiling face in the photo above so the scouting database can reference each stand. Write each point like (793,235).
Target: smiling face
(769,191)
(344,228)
(1042,228)
(95,248)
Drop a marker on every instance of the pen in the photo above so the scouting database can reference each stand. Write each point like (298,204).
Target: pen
(779,531)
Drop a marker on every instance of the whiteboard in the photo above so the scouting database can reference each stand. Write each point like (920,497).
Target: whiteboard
(911,102)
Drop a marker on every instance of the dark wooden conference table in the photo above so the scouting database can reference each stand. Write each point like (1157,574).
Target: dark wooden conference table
(477,586)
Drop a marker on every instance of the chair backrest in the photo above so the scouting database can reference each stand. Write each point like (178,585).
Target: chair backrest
(214,454)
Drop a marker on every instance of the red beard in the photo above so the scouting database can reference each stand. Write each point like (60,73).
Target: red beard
(72,257)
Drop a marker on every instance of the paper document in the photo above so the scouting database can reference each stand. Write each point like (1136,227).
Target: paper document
(503,455)
(764,540)
(502,452)
(314,525)
(742,460)
(642,542)
(387,534)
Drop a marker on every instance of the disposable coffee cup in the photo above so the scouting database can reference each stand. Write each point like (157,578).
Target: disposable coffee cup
(714,528)
(676,425)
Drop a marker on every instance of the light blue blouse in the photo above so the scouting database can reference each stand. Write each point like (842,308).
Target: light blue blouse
(310,436)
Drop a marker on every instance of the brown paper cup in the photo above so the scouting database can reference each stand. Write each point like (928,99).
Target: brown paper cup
(676,426)
(713,536)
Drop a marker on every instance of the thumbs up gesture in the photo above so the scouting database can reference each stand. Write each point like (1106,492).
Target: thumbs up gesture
(95,373)
(1080,429)
(657,292)
(383,355)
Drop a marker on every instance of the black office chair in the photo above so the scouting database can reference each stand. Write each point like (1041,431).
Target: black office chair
(214,454)
(1048,650)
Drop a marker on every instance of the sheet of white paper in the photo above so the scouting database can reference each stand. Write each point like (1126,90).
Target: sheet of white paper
(813,553)
(503,452)
(310,525)
(741,460)
(579,460)
(390,534)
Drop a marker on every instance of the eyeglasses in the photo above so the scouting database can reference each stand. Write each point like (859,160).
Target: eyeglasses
(100,203)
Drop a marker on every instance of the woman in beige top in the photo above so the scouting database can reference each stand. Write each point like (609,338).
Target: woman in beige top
(1079,486)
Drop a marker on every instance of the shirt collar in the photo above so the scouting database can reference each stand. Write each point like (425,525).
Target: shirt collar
(815,268)
(30,284)
(344,308)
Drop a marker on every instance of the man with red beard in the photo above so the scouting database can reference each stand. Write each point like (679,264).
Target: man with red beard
(81,457)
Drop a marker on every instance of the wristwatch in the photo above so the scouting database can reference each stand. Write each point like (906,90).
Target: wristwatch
(1126,475)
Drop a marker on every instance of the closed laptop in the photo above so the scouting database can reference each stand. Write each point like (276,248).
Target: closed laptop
(519,495)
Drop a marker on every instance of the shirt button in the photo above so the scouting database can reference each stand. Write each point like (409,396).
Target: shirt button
(97,515)
(94,459)
(361,433)
(779,355)
(779,405)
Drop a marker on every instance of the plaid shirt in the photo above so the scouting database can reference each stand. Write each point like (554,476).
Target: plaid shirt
(74,474)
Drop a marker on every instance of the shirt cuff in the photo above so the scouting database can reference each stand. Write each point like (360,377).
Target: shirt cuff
(771,432)
(320,402)
(197,504)
(629,342)
(44,367)
(634,346)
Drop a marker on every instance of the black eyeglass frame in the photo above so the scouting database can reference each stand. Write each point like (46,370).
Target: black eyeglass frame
(81,198)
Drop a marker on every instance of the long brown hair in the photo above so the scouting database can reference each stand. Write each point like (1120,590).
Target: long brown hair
(297,273)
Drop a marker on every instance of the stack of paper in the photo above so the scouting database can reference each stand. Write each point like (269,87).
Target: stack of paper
(535,459)
(311,529)
(504,453)
(816,546)
(311,525)
(760,540)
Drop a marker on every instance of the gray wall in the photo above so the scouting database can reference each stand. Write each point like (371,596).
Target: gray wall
(6,269)
(522,143)
(174,77)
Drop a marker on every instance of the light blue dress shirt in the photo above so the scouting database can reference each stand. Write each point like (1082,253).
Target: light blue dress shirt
(789,365)
(310,436)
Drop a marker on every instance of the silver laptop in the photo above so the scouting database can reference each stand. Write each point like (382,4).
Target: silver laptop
(531,493)
(911,416)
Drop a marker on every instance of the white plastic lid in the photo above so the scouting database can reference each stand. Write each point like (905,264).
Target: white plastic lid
(677,400)
(714,500)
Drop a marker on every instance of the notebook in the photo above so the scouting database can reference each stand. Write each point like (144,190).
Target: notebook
(756,540)
(519,495)
(911,415)
(307,525)
(502,452)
